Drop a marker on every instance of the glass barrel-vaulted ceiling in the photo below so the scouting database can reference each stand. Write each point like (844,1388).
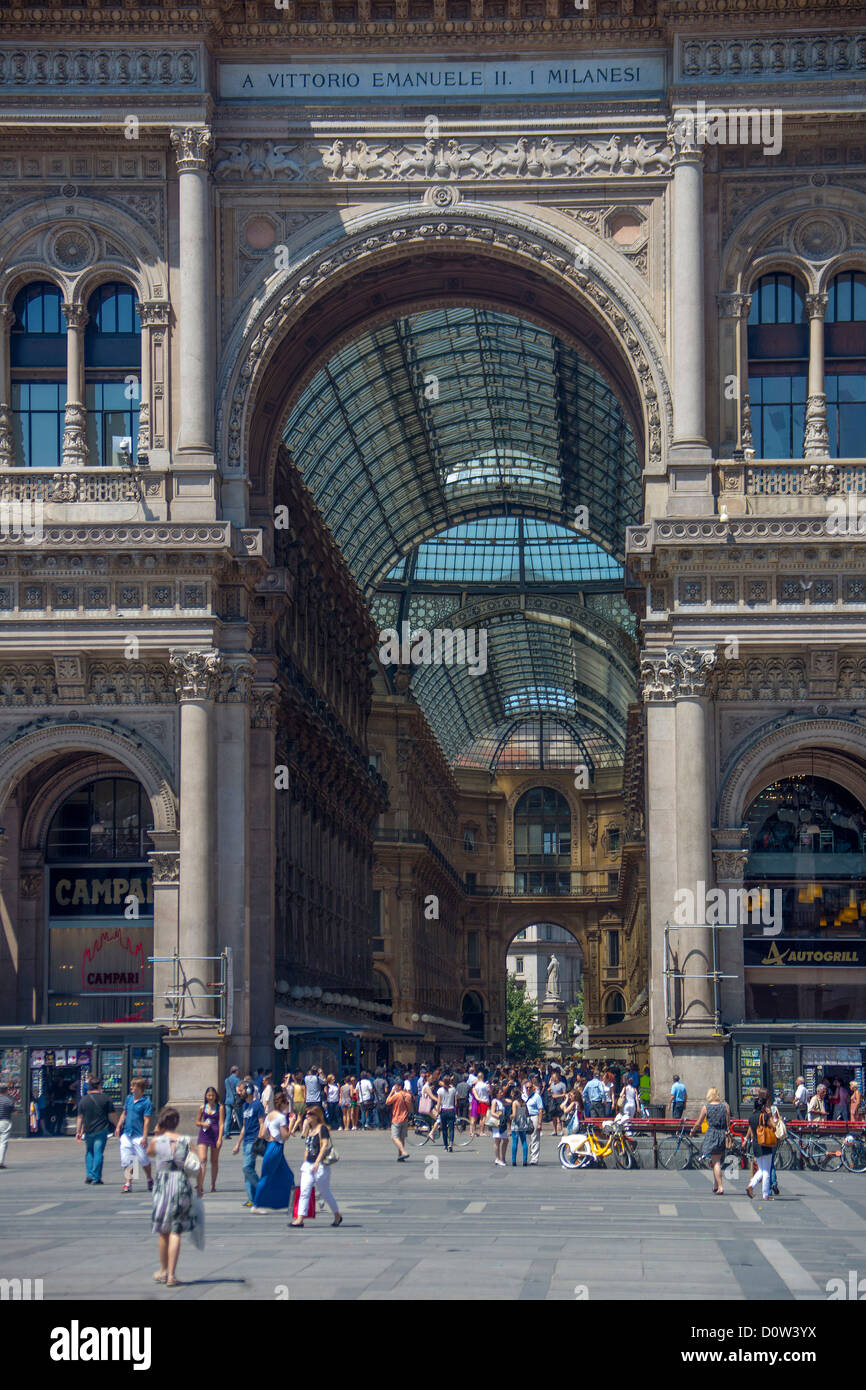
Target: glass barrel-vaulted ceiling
(455,413)
(445,452)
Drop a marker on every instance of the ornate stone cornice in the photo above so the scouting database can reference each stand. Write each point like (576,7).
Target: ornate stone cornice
(679,673)
(197,674)
(644,540)
(193,148)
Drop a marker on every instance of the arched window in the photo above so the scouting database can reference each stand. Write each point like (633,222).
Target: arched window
(108,819)
(472,1011)
(542,842)
(778,338)
(845,363)
(112,375)
(615,1010)
(38,361)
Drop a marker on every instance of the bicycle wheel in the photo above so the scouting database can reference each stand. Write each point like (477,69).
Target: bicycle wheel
(673,1152)
(854,1155)
(785,1155)
(568,1158)
(623,1155)
(823,1156)
(422,1137)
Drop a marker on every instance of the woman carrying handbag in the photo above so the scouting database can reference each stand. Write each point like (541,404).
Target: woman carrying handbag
(174,1203)
(315,1173)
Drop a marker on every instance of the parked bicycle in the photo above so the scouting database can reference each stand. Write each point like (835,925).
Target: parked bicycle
(854,1152)
(816,1151)
(590,1150)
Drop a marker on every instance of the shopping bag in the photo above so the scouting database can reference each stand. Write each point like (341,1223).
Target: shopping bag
(312,1208)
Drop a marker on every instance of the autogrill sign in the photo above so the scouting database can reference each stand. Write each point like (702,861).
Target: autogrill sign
(807,952)
(603,75)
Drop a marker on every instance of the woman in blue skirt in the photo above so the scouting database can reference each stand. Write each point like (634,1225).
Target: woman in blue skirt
(274,1192)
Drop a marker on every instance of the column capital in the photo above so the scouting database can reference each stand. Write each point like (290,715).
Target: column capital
(685,156)
(733,305)
(730,864)
(816,305)
(263,707)
(76,315)
(153,313)
(678,673)
(166,866)
(237,681)
(197,674)
(193,148)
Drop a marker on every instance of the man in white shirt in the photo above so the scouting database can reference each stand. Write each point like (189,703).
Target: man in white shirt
(366,1097)
(801,1098)
(267,1096)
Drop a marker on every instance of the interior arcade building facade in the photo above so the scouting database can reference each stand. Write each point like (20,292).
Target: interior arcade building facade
(431,476)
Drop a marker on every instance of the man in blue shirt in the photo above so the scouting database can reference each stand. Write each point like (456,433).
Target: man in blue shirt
(679,1096)
(535,1107)
(593,1097)
(132,1129)
(233,1080)
(252,1118)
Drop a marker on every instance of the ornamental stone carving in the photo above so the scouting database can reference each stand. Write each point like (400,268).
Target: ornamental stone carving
(398,161)
(7,441)
(236,682)
(193,148)
(263,709)
(197,674)
(106,67)
(75,436)
(30,886)
(680,673)
(166,866)
(730,864)
(816,439)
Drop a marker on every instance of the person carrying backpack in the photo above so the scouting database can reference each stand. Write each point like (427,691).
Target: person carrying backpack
(762,1129)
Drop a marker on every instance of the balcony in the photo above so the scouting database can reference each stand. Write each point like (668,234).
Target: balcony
(580,883)
(82,495)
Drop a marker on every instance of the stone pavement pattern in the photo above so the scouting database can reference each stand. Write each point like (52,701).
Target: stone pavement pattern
(475,1231)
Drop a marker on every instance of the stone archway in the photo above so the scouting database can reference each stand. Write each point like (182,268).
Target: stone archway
(33,744)
(400,259)
(786,743)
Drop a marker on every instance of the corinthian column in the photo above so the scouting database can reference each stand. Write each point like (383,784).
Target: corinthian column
(75,421)
(816,440)
(7,444)
(193,148)
(197,676)
(687,318)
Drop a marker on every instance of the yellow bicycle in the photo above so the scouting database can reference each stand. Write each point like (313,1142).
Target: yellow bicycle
(591,1149)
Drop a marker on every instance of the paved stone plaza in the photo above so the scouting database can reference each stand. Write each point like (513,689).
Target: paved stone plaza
(474,1232)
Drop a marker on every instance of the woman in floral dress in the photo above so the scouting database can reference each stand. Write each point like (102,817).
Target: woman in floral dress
(173,1208)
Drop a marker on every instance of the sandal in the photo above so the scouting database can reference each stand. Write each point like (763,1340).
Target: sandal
(159,1277)
(338,1220)
(296,1223)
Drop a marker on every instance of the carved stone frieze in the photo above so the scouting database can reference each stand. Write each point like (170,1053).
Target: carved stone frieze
(827,54)
(197,674)
(105,67)
(762,678)
(427,161)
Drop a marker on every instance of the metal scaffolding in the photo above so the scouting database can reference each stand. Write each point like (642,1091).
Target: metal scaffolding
(184,985)
(672,1017)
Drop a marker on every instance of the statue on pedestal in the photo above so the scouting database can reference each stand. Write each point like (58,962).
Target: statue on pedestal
(553,979)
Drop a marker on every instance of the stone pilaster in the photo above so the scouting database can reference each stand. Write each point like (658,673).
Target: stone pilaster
(197,676)
(193,148)
(816,439)
(687,309)
(152,314)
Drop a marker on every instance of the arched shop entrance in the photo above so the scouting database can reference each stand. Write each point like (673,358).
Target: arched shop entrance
(82,827)
(804,983)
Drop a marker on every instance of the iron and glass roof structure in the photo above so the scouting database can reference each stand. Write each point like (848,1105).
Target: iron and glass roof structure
(460,456)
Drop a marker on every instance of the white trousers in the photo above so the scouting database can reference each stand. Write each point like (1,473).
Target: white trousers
(764,1162)
(5,1131)
(535,1139)
(321,1180)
